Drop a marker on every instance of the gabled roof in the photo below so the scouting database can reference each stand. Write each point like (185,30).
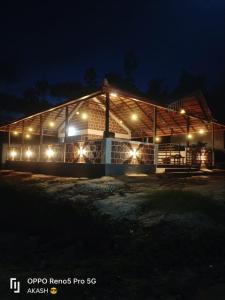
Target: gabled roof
(194,104)
(123,105)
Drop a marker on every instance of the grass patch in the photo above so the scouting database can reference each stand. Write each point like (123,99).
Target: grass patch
(181,202)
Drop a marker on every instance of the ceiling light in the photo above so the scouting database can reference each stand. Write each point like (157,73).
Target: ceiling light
(50,152)
(134,117)
(201,131)
(29,153)
(71,131)
(113,94)
(84,116)
(13,154)
(82,152)
(51,124)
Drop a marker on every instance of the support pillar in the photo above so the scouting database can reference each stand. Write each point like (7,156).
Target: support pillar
(107,109)
(107,151)
(22,141)
(66,132)
(41,139)
(213,145)
(154,130)
(156,150)
(188,130)
(9,137)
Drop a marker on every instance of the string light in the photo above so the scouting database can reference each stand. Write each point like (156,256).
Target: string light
(157,139)
(15,132)
(189,136)
(30,129)
(182,111)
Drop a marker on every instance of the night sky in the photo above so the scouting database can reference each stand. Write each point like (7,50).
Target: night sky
(58,41)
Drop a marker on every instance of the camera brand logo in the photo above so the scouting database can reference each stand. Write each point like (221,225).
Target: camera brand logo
(15,285)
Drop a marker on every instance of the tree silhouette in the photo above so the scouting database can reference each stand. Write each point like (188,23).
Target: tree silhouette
(90,78)
(188,83)
(156,89)
(69,89)
(42,87)
(130,65)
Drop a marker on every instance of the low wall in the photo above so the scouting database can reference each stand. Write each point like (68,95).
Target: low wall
(131,152)
(77,169)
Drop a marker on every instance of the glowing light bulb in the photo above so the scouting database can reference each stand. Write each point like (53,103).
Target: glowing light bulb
(189,136)
(201,131)
(113,94)
(51,124)
(50,153)
(134,153)
(13,154)
(29,153)
(82,152)
(84,116)
(71,131)
(182,111)
(134,117)
(30,129)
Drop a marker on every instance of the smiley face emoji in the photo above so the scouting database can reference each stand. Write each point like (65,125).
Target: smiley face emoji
(53,290)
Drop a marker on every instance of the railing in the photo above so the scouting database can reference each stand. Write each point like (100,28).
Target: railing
(171,154)
(198,156)
(89,152)
(178,155)
(53,152)
(93,151)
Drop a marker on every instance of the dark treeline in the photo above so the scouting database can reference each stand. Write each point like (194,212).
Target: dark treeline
(42,94)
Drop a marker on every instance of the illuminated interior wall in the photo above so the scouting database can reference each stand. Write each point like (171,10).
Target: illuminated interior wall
(132,152)
(94,125)
(85,152)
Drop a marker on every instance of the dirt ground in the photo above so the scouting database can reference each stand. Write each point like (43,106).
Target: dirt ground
(144,237)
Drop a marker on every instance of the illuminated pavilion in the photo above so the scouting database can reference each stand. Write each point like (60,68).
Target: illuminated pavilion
(112,132)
